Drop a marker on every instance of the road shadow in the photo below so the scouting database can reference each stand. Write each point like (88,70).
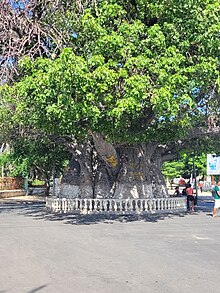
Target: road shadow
(205,205)
(37,211)
(21,205)
(37,289)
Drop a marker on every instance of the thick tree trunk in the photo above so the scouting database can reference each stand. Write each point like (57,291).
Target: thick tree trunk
(158,182)
(133,180)
(103,171)
(103,182)
(78,179)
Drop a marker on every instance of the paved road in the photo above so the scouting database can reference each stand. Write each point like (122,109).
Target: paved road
(44,253)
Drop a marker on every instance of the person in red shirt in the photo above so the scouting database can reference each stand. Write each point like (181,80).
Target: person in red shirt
(190,198)
(182,182)
(201,186)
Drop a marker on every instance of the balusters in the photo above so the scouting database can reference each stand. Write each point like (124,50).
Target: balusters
(114,205)
(162,204)
(67,205)
(166,204)
(110,205)
(63,205)
(80,204)
(102,208)
(120,206)
(170,204)
(105,205)
(95,205)
(126,205)
(143,205)
(158,204)
(175,203)
(90,205)
(59,205)
(77,204)
(129,204)
(56,205)
(153,204)
(84,206)
(133,205)
(53,205)
(149,205)
(138,204)
(73,204)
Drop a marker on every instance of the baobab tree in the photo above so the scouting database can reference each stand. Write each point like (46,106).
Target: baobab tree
(131,84)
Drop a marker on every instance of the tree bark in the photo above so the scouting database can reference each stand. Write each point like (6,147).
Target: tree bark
(103,171)
(133,180)
(77,181)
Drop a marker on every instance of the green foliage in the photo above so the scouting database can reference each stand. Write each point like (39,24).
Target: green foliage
(37,158)
(13,167)
(37,182)
(184,166)
(129,72)
(4,159)
(173,169)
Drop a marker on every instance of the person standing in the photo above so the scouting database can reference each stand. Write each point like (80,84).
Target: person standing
(190,198)
(201,186)
(182,181)
(217,198)
(177,191)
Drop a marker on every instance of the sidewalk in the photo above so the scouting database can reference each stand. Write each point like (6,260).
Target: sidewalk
(26,199)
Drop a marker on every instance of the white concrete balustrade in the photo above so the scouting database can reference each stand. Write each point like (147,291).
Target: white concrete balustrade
(124,206)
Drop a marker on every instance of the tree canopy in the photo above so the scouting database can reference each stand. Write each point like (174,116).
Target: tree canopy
(135,71)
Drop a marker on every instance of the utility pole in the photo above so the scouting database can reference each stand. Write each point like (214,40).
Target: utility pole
(26,185)
(54,182)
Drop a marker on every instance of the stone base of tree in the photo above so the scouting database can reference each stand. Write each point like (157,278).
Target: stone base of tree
(116,206)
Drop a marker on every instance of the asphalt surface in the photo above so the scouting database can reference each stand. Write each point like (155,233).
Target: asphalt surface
(46,253)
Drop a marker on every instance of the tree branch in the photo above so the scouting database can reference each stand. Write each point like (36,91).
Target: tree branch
(105,150)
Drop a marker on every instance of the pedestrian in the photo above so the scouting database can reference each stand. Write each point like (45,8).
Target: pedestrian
(182,181)
(201,186)
(190,198)
(177,191)
(184,192)
(217,198)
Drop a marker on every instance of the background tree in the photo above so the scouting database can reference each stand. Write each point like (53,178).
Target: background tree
(183,167)
(171,170)
(38,159)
